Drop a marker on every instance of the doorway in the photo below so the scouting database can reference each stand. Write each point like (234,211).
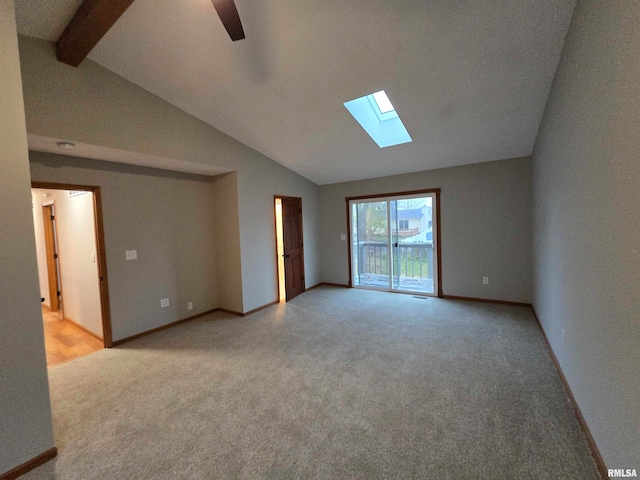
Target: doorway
(394,242)
(72,270)
(289,247)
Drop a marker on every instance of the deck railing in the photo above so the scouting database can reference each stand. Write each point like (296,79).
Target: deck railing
(414,259)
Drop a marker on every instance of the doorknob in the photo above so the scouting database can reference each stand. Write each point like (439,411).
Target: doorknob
(286,255)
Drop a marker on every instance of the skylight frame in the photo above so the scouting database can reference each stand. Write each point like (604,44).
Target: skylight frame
(376,108)
(382,102)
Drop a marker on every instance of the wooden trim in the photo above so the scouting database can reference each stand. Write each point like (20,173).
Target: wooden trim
(328,284)
(304,272)
(163,327)
(267,305)
(486,300)
(102,269)
(245,314)
(435,191)
(29,465)
(286,197)
(595,451)
(63,186)
(84,329)
(232,312)
(395,194)
(91,22)
(193,317)
(101,253)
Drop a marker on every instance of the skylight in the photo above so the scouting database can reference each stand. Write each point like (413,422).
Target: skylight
(383,102)
(375,113)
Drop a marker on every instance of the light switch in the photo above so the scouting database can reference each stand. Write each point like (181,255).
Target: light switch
(343,236)
(93,257)
(131,254)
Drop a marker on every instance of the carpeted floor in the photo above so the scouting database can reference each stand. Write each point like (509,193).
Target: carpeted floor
(338,383)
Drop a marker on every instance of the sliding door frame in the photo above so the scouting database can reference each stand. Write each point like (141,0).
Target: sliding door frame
(385,197)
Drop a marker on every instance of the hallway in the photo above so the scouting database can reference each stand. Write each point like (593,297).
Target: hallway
(65,341)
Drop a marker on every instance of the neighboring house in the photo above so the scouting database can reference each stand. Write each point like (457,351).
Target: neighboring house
(409,222)
(414,224)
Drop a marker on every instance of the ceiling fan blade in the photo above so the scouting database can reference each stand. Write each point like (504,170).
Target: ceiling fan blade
(228,13)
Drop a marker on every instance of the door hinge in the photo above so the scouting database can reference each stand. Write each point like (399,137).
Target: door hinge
(55,255)
(58,293)
(53,217)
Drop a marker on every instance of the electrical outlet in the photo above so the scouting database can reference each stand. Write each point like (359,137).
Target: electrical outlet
(164,303)
(485,280)
(563,335)
(190,306)
(131,254)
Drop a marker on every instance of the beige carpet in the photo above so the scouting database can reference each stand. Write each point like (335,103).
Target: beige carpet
(339,383)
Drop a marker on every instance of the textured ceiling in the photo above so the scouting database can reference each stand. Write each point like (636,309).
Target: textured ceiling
(469,78)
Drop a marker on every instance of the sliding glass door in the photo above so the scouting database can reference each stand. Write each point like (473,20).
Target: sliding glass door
(370,235)
(393,243)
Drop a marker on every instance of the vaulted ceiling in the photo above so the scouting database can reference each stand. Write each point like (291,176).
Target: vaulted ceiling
(469,79)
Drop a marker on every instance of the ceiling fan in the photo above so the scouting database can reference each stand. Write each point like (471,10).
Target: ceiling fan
(94,18)
(228,13)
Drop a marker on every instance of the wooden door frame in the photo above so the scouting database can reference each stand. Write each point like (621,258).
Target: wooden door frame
(435,191)
(275,223)
(54,275)
(101,251)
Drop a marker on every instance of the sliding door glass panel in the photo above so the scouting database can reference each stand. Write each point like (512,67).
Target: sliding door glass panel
(412,244)
(370,234)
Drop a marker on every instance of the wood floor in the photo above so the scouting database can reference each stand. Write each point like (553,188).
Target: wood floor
(64,341)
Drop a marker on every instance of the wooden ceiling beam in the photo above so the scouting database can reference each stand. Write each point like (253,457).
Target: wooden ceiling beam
(91,22)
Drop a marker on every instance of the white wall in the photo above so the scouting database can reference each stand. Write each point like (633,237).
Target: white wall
(228,255)
(256,189)
(76,235)
(25,412)
(586,184)
(77,245)
(486,226)
(92,105)
(168,217)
